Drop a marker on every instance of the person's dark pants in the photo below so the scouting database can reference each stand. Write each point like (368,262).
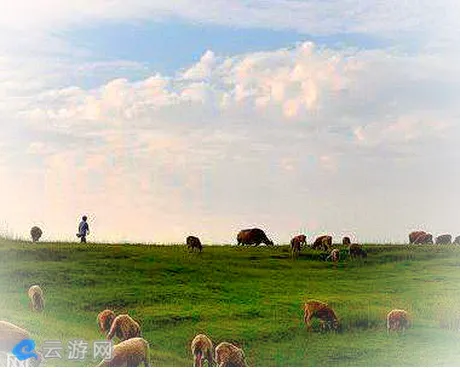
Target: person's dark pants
(83,239)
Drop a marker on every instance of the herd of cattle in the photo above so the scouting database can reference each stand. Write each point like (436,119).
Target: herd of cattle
(133,350)
(422,237)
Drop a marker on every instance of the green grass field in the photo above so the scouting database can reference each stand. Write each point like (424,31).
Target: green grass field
(251,296)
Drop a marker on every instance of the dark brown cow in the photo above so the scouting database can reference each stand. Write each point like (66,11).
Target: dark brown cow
(444,239)
(357,251)
(457,240)
(420,237)
(346,240)
(297,242)
(194,242)
(252,236)
(322,242)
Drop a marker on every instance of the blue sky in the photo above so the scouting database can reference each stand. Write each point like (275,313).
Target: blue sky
(159,120)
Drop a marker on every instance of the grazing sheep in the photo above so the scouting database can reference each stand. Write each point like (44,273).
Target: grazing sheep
(194,242)
(229,355)
(10,336)
(346,240)
(36,233)
(296,244)
(202,349)
(334,256)
(444,239)
(322,242)
(323,312)
(105,320)
(129,353)
(397,320)
(356,251)
(124,327)
(37,303)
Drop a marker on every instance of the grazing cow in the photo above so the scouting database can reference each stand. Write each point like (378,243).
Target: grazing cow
(323,312)
(357,251)
(397,320)
(457,240)
(229,355)
(346,240)
(105,320)
(334,256)
(420,237)
(444,239)
(202,349)
(323,242)
(36,233)
(37,302)
(194,242)
(296,244)
(129,353)
(252,236)
(10,336)
(124,327)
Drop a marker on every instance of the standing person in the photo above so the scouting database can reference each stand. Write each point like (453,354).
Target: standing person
(83,229)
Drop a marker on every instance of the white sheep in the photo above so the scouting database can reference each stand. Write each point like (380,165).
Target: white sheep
(202,349)
(10,336)
(129,353)
(229,355)
(124,327)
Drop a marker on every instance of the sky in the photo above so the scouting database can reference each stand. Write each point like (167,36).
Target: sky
(160,120)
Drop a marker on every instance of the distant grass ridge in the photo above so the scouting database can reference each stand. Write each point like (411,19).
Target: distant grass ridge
(251,296)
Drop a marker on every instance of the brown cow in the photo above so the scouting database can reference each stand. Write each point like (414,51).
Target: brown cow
(252,236)
(444,239)
(322,242)
(323,312)
(296,244)
(194,242)
(357,251)
(420,237)
(346,240)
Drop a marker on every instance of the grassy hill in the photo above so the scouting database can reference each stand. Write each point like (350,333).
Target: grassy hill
(251,296)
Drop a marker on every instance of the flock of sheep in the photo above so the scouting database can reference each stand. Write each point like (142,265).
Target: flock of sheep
(132,350)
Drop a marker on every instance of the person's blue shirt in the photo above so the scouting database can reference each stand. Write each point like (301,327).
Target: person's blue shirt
(83,228)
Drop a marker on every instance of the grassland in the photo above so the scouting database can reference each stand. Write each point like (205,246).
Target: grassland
(251,296)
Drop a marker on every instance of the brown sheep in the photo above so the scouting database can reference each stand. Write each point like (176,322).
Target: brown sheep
(36,233)
(37,302)
(194,242)
(10,336)
(296,244)
(202,349)
(420,237)
(252,236)
(397,320)
(129,353)
(229,355)
(322,242)
(444,239)
(357,251)
(105,320)
(124,327)
(323,312)
(346,240)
